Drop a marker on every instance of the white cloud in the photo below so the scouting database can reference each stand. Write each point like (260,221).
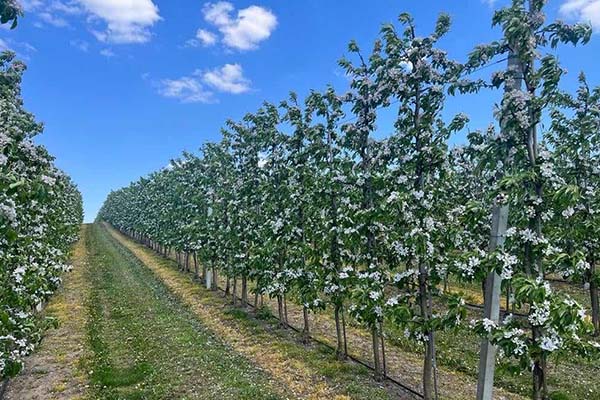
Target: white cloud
(218,13)
(229,78)
(186,89)
(582,10)
(246,30)
(191,43)
(199,87)
(80,44)
(53,20)
(24,50)
(127,21)
(203,37)
(52,13)
(207,38)
(30,48)
(66,8)
(31,5)
(107,53)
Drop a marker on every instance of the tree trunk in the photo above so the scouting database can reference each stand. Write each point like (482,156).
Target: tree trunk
(538,381)
(244,291)
(483,291)
(227,287)
(434,364)
(508,293)
(282,321)
(285,311)
(344,331)
(425,313)
(376,358)
(196,271)
(428,371)
(215,279)
(594,299)
(383,360)
(340,351)
(545,372)
(306,329)
(539,372)
(234,292)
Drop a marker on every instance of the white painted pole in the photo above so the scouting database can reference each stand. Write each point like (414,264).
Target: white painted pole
(208,278)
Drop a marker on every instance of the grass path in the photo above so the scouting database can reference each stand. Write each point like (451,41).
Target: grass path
(309,372)
(404,363)
(145,344)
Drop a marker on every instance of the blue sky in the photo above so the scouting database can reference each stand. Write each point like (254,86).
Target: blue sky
(124,86)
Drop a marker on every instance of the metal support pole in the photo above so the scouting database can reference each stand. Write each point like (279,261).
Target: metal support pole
(487,354)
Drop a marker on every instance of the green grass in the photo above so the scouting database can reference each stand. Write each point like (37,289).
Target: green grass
(349,379)
(352,380)
(146,345)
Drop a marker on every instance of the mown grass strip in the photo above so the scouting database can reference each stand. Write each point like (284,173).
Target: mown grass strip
(308,371)
(146,345)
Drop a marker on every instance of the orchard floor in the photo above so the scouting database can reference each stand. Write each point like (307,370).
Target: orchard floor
(132,326)
(129,330)
(276,344)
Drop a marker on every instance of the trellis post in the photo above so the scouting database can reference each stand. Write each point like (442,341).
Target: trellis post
(208,277)
(487,354)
